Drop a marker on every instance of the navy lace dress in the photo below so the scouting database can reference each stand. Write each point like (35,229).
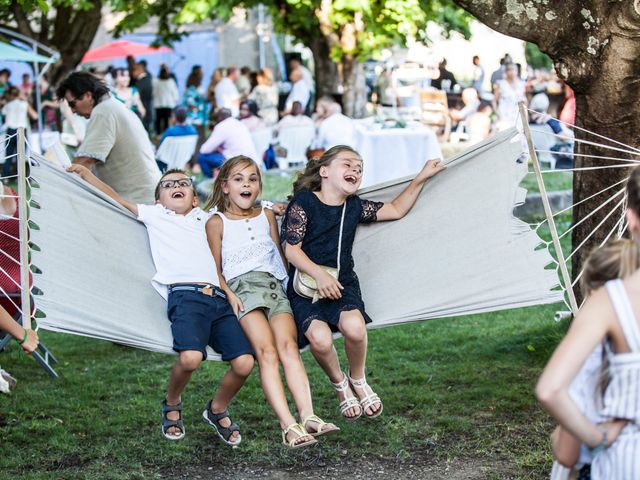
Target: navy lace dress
(317,226)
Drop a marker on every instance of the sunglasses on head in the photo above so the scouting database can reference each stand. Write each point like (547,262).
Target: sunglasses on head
(72,103)
(181,182)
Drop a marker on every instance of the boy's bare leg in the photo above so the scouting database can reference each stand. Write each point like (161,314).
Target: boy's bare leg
(188,361)
(321,341)
(231,383)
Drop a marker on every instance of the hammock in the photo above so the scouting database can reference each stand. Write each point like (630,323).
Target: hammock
(459,251)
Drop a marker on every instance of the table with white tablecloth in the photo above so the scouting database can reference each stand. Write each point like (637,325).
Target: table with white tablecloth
(390,153)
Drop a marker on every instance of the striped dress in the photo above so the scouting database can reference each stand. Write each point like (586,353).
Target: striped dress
(621,461)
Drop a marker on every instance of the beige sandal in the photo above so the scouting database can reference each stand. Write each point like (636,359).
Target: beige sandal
(323,427)
(300,432)
(370,399)
(348,402)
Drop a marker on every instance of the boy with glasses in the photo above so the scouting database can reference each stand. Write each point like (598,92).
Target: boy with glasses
(200,315)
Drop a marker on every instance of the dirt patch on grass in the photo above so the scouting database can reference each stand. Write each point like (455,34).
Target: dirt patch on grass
(363,468)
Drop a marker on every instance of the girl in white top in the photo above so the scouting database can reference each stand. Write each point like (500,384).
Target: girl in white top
(616,259)
(609,314)
(245,243)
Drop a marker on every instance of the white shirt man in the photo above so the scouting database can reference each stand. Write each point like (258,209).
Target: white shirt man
(230,137)
(299,91)
(336,129)
(227,95)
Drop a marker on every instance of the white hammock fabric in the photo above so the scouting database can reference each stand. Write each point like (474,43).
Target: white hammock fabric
(459,251)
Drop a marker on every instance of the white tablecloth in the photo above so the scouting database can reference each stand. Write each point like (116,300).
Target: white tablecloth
(394,152)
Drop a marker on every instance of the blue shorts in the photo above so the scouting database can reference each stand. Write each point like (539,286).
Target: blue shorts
(198,320)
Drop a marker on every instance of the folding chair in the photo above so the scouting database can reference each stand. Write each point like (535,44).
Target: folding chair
(262,139)
(296,141)
(177,151)
(435,112)
(10,288)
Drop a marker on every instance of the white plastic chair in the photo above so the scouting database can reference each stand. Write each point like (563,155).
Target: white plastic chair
(177,151)
(296,141)
(261,140)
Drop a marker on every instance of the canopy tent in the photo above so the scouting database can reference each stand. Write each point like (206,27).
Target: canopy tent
(121,49)
(460,250)
(11,53)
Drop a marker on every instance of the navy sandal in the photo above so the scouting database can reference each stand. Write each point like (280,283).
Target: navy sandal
(167,424)
(224,433)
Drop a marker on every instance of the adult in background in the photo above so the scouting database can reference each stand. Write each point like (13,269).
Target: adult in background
(26,87)
(217,75)
(249,115)
(334,128)
(299,91)
(128,95)
(243,82)
(116,144)
(296,118)
(165,98)
(179,127)
(471,103)
(228,139)
(507,93)
(16,113)
(446,80)
(195,102)
(227,95)
(265,94)
(307,77)
(144,84)
(478,75)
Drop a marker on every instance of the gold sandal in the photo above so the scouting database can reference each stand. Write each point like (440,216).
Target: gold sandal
(323,427)
(300,432)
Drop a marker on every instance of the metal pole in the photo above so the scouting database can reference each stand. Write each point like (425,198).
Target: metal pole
(261,32)
(547,211)
(24,230)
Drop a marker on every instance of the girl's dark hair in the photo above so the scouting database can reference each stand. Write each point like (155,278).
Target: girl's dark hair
(633,191)
(310,178)
(253,107)
(164,73)
(218,198)
(79,83)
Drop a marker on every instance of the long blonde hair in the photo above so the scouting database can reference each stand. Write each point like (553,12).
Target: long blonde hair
(615,259)
(310,178)
(218,198)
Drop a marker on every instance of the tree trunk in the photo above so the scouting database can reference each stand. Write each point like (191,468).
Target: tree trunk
(326,70)
(595,47)
(354,98)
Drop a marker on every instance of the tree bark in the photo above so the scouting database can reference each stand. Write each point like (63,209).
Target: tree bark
(354,98)
(594,46)
(326,70)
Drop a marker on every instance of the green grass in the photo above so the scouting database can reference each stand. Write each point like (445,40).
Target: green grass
(458,388)
(277,187)
(553,182)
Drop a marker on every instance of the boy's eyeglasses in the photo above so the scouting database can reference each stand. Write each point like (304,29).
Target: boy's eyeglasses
(181,182)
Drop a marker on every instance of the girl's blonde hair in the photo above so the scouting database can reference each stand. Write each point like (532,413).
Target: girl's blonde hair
(310,178)
(615,259)
(218,198)
(266,75)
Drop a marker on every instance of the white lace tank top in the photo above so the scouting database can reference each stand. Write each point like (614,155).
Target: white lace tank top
(247,246)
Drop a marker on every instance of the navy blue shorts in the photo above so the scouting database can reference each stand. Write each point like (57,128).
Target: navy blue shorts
(198,320)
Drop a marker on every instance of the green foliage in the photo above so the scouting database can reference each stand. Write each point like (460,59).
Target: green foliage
(535,57)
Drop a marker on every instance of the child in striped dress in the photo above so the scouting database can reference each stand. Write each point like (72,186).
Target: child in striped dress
(610,314)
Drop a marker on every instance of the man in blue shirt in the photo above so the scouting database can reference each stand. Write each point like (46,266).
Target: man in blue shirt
(179,127)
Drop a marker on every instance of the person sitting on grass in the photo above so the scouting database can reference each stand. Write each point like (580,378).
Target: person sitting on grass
(246,245)
(198,309)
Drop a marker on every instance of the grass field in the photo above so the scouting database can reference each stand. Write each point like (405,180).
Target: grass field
(454,389)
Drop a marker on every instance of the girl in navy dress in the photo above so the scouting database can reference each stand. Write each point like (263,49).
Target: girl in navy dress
(311,232)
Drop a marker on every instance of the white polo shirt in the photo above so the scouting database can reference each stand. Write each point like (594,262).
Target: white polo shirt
(179,247)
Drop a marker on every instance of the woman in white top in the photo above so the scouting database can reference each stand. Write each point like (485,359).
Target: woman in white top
(126,94)
(245,244)
(265,94)
(507,93)
(609,315)
(165,98)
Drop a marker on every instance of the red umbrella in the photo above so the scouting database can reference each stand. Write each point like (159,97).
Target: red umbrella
(119,49)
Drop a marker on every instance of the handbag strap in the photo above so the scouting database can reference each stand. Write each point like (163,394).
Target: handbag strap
(344,208)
